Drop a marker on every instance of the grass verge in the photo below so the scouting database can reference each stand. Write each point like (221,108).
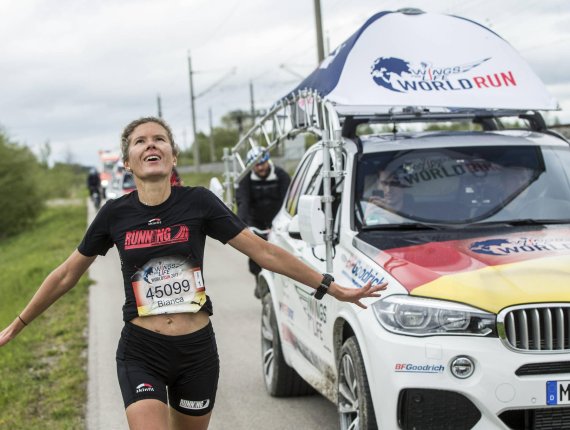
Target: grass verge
(43,372)
(200,179)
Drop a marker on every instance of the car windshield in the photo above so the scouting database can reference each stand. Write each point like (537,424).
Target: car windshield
(463,185)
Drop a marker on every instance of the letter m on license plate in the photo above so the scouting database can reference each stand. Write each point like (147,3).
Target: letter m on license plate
(557,392)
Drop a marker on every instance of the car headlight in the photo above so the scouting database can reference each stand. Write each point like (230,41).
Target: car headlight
(418,316)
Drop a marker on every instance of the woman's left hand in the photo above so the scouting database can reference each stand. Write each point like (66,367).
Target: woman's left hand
(354,295)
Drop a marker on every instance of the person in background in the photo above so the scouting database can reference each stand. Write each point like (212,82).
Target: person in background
(260,196)
(94,186)
(167,357)
(386,200)
(93,180)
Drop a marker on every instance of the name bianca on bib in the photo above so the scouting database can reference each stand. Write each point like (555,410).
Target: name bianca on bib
(168,285)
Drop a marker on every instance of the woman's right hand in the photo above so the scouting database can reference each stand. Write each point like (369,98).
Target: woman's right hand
(10,332)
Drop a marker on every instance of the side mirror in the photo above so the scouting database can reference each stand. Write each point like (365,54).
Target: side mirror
(311,220)
(217,188)
(293,228)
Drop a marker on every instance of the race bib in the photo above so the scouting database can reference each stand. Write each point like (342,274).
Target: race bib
(168,285)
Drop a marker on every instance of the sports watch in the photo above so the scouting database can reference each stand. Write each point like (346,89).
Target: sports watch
(323,287)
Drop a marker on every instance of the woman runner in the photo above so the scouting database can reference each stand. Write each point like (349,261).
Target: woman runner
(167,360)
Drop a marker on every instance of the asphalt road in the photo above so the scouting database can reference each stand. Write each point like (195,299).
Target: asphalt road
(242,402)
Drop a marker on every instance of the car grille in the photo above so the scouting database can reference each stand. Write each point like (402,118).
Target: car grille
(536,328)
(537,419)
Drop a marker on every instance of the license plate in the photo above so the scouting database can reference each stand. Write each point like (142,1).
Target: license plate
(557,392)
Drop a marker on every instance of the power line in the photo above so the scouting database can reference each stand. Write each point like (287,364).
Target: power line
(222,23)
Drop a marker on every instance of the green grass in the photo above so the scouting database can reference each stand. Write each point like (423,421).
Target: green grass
(43,371)
(199,179)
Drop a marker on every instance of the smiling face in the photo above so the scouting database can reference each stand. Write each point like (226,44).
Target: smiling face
(150,151)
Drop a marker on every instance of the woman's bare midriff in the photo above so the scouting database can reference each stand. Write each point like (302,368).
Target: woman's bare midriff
(173,324)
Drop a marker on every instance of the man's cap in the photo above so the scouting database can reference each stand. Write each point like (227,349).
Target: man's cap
(253,153)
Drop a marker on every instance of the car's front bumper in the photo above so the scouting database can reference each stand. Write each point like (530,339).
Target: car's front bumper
(404,371)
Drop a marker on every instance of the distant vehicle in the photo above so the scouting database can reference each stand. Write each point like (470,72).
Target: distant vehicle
(120,185)
(107,161)
(118,169)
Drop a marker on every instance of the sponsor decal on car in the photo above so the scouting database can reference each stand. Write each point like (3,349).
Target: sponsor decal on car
(286,310)
(402,76)
(505,246)
(360,273)
(316,312)
(418,368)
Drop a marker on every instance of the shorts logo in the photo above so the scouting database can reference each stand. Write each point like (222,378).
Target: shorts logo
(144,388)
(194,404)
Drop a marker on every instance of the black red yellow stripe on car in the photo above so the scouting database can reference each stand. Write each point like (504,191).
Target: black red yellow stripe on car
(486,272)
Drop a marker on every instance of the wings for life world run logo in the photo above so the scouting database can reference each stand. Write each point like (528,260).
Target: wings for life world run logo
(403,76)
(503,247)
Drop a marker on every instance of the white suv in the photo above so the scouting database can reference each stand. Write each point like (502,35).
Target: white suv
(471,229)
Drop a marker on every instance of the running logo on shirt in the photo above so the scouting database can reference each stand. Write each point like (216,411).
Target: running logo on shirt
(137,239)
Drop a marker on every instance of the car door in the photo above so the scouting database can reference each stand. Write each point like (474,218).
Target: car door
(308,316)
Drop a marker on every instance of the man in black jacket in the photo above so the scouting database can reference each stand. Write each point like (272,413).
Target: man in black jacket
(260,195)
(94,186)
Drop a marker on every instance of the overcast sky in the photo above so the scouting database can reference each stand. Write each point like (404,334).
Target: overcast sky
(75,72)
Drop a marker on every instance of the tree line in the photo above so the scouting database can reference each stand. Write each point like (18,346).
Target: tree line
(27,183)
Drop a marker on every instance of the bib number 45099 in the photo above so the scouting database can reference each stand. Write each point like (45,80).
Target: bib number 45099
(557,392)
(168,290)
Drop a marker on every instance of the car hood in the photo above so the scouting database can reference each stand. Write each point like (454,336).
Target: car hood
(489,272)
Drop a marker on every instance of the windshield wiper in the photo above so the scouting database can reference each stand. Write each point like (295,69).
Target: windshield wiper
(405,226)
(518,222)
(530,221)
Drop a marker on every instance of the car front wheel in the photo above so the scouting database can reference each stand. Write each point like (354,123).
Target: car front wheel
(354,403)
(280,379)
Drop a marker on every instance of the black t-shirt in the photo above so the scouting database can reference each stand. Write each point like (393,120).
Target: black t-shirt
(162,247)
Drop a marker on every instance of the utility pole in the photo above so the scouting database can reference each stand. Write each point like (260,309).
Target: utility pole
(158,102)
(192,108)
(252,103)
(212,148)
(319,28)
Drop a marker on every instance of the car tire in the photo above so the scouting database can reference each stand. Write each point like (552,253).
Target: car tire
(354,401)
(280,379)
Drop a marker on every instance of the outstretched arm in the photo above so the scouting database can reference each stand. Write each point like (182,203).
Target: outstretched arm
(55,285)
(276,259)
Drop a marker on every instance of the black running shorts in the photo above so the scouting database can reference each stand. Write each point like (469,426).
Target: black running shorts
(181,371)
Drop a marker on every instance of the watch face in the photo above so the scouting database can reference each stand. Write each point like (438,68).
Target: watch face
(327,279)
